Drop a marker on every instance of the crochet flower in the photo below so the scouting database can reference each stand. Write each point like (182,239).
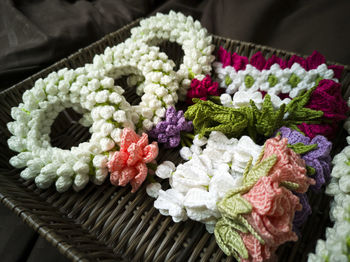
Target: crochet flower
(168,131)
(202,89)
(289,166)
(327,98)
(318,158)
(273,209)
(273,205)
(128,165)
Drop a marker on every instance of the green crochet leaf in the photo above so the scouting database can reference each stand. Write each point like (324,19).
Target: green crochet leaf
(290,185)
(229,240)
(234,122)
(233,206)
(301,149)
(250,177)
(268,119)
(298,113)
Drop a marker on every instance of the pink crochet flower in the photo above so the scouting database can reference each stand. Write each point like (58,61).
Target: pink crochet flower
(272,217)
(273,205)
(326,97)
(128,165)
(257,252)
(289,166)
(202,89)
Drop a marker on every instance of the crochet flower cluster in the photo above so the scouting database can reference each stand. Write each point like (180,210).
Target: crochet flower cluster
(169,131)
(336,246)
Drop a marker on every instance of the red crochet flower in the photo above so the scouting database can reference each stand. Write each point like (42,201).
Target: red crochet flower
(128,165)
(326,97)
(202,89)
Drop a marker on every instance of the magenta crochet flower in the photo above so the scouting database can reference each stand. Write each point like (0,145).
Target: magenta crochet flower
(202,89)
(326,97)
(168,131)
(259,61)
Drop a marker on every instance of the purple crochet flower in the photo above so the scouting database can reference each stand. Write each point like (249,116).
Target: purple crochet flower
(301,216)
(319,158)
(168,131)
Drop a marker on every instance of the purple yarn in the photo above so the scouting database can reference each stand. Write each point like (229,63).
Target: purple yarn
(301,216)
(319,158)
(168,131)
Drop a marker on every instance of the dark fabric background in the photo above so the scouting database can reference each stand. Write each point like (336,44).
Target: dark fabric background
(36,33)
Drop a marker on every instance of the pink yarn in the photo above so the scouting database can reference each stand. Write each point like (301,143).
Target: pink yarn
(202,89)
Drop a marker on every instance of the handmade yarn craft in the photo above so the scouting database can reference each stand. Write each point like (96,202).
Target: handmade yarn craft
(189,34)
(91,90)
(251,195)
(254,137)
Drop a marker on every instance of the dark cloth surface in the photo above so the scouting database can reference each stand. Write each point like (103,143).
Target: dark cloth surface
(37,33)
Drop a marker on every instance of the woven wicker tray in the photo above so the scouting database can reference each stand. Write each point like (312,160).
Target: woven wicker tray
(105,223)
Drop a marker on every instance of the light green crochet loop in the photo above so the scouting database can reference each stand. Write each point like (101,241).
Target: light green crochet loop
(273,80)
(294,80)
(301,149)
(249,81)
(228,80)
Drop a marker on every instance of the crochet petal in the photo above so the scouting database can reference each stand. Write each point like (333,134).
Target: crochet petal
(128,137)
(137,181)
(297,59)
(135,154)
(126,175)
(114,178)
(117,162)
(143,141)
(314,60)
(239,62)
(150,152)
(258,61)
(337,69)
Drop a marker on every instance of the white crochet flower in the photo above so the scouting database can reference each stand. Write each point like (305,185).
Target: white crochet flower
(194,39)
(206,176)
(274,81)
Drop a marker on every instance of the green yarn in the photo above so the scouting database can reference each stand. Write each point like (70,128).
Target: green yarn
(290,185)
(310,170)
(318,79)
(249,81)
(233,122)
(228,80)
(229,240)
(191,75)
(294,80)
(273,80)
(301,149)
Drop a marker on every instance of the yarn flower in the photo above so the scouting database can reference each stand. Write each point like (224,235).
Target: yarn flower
(318,158)
(202,89)
(327,98)
(169,130)
(128,165)
(273,209)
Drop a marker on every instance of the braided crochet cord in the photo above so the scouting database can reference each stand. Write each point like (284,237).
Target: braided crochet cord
(106,223)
